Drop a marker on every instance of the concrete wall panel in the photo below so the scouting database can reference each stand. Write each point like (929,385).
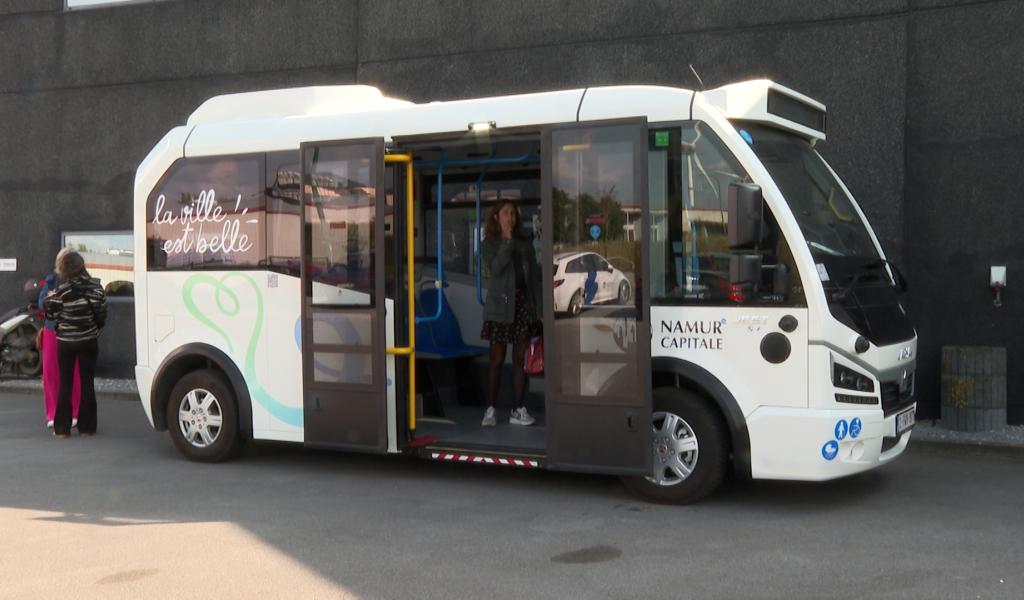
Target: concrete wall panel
(391,29)
(20,8)
(965,137)
(182,39)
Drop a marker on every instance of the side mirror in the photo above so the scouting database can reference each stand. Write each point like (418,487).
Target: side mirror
(744,269)
(746,210)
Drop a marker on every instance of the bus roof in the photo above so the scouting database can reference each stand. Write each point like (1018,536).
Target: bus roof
(283,119)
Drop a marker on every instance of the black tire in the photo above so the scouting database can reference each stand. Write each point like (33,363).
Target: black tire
(227,440)
(624,292)
(33,367)
(576,304)
(712,454)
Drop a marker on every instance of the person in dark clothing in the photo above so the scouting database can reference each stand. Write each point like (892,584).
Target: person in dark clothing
(513,304)
(48,351)
(79,308)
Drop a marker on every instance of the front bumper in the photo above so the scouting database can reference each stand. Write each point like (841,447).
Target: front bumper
(817,445)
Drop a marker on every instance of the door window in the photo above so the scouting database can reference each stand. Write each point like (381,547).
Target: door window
(598,379)
(592,190)
(340,223)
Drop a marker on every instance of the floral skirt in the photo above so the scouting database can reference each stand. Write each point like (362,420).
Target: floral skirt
(521,328)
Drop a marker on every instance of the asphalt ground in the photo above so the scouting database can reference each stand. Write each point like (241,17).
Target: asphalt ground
(122,515)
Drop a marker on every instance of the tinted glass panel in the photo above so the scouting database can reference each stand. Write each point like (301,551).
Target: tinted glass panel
(207,213)
(826,214)
(340,205)
(335,367)
(689,174)
(593,192)
(284,197)
(343,328)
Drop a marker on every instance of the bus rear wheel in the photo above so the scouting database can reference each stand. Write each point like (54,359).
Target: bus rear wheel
(202,417)
(690,449)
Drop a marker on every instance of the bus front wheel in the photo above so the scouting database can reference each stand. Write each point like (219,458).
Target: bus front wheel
(690,449)
(202,417)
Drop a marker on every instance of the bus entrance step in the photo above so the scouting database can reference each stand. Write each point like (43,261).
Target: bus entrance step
(529,461)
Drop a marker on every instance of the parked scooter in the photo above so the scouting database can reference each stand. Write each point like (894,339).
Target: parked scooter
(19,356)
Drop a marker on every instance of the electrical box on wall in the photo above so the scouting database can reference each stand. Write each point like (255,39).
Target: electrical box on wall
(997,281)
(997,276)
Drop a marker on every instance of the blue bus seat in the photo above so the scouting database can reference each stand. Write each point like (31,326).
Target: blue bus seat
(441,338)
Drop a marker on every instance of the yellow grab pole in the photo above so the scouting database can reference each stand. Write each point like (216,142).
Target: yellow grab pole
(410,274)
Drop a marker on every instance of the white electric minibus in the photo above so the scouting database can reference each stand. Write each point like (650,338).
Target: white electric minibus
(310,269)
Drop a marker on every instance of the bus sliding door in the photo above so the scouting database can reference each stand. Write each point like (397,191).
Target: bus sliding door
(343,295)
(597,359)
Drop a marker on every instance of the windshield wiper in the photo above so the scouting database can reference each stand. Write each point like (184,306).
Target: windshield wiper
(863,272)
(825,249)
(899,281)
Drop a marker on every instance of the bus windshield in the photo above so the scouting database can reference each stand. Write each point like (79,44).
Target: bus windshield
(827,218)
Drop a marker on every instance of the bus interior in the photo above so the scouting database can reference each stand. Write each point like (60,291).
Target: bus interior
(590,262)
(458,182)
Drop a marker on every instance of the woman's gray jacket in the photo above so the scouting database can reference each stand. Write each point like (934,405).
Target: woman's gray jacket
(498,256)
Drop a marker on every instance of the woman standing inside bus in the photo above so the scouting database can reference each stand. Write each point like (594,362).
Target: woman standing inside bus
(512,307)
(79,308)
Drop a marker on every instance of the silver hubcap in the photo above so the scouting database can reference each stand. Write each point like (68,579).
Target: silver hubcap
(675,449)
(200,418)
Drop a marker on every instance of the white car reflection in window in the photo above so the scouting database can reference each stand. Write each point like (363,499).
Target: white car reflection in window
(585,278)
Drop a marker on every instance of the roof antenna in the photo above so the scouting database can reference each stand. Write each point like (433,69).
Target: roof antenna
(699,80)
(694,95)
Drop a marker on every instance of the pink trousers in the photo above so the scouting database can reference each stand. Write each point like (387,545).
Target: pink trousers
(51,378)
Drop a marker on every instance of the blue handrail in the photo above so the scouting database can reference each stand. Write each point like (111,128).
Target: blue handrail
(440,165)
(439,280)
(476,237)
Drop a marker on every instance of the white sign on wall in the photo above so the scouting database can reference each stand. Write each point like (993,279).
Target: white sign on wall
(72,4)
(8,264)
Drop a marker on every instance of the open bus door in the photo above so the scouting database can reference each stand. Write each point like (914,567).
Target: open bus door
(343,305)
(597,358)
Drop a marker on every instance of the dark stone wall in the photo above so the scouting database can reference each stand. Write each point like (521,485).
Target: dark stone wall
(923,121)
(965,151)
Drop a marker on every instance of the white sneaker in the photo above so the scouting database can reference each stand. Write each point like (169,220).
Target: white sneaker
(74,422)
(49,424)
(489,420)
(521,417)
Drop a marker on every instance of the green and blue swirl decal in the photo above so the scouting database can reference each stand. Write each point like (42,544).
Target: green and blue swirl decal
(228,304)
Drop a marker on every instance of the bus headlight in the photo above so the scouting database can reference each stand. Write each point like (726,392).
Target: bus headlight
(848,379)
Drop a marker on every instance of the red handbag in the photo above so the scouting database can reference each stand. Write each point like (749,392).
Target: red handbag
(534,362)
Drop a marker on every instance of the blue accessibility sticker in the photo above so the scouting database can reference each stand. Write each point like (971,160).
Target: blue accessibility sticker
(841,429)
(830,450)
(855,427)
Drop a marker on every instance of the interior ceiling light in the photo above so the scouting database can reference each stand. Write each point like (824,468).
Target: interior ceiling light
(481,126)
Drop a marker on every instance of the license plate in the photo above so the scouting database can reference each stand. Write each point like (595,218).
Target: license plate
(904,421)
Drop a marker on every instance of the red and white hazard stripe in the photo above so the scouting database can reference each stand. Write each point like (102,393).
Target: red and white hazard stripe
(487,460)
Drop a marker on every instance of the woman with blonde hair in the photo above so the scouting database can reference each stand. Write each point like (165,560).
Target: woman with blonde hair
(48,349)
(79,308)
